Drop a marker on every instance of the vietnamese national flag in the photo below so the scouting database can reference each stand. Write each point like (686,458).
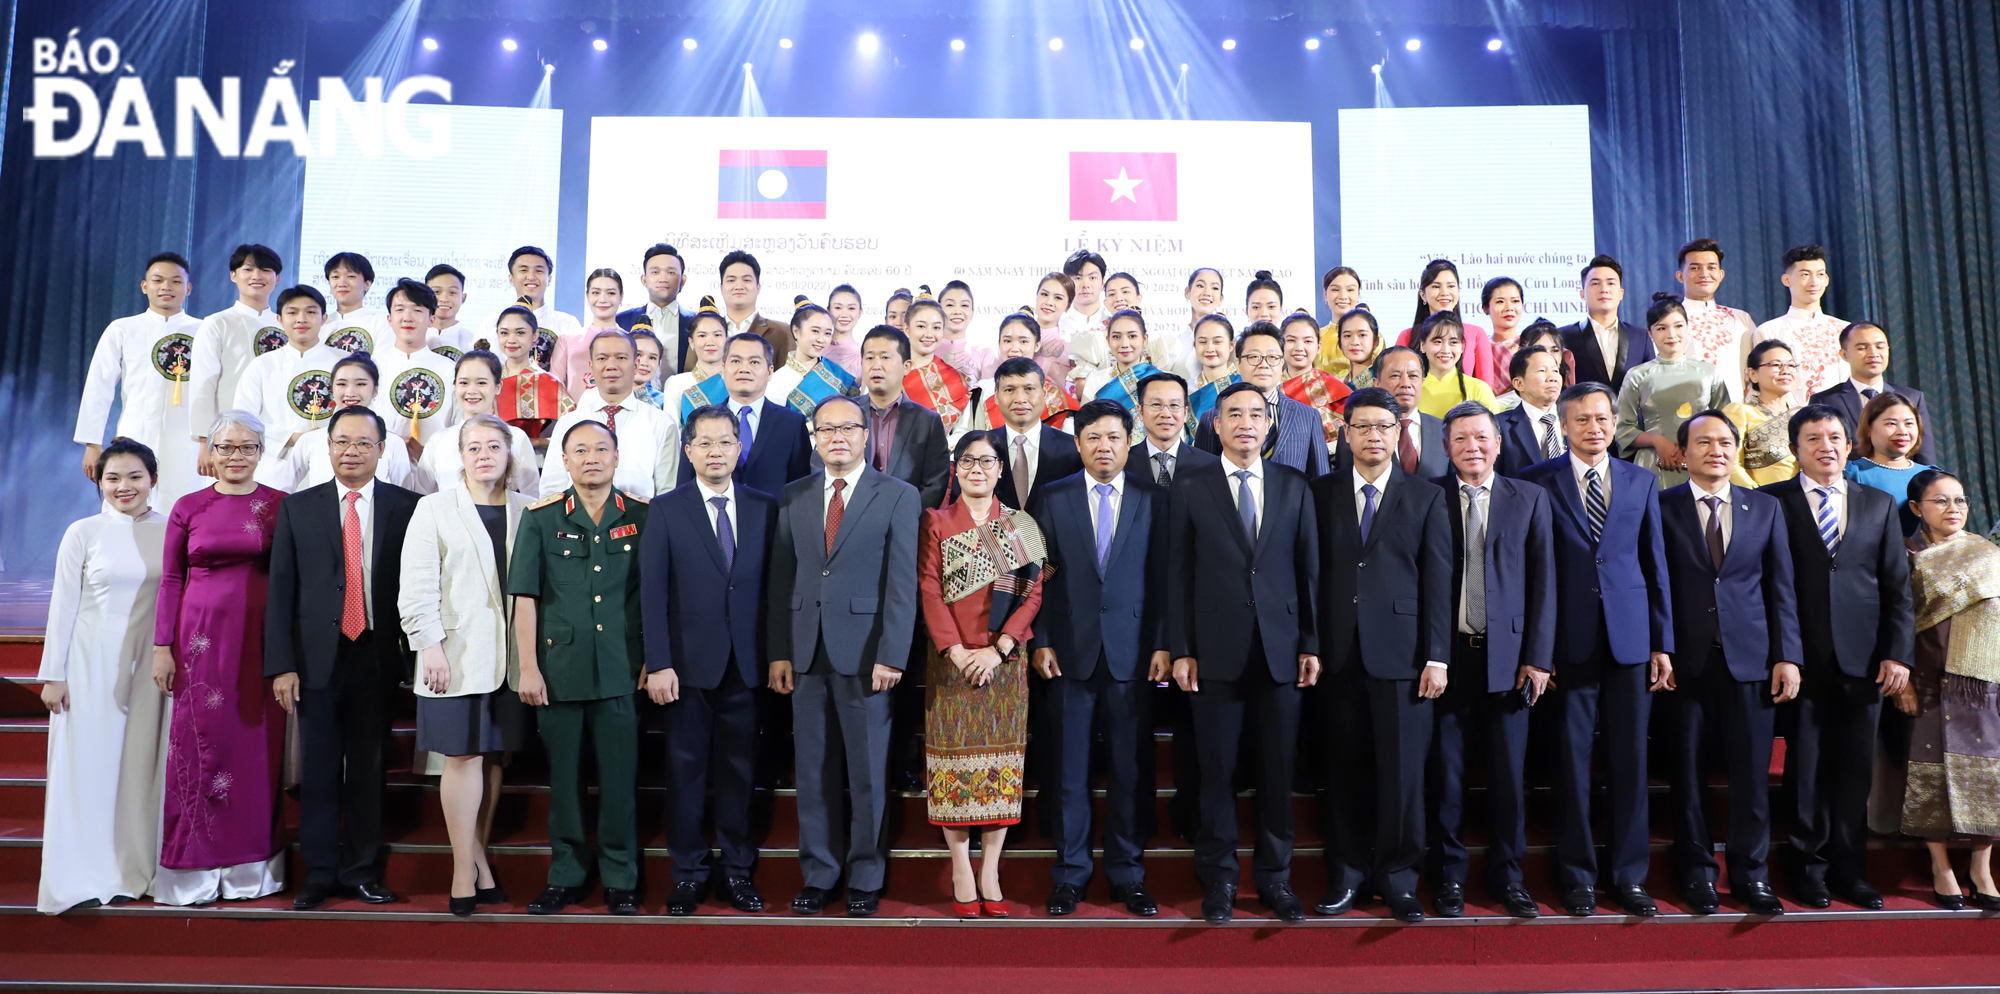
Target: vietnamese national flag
(778,184)
(1122,186)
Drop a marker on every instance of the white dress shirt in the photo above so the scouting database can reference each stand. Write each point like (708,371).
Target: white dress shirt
(648,446)
(1381,485)
(1484,491)
(740,327)
(666,322)
(1839,499)
(1578,468)
(728,495)
(1607,342)
(1031,441)
(1542,432)
(133,362)
(1152,465)
(365,510)
(756,409)
(400,371)
(1090,495)
(224,344)
(1701,509)
(290,391)
(1256,483)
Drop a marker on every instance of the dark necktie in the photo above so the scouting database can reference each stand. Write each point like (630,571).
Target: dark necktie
(1406,446)
(743,435)
(1552,445)
(1595,505)
(1368,493)
(835,507)
(1163,465)
(1246,505)
(1713,531)
(1869,392)
(725,536)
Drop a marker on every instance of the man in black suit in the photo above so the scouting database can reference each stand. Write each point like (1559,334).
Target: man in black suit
(664,276)
(1737,629)
(1294,436)
(1865,346)
(1420,450)
(1384,613)
(775,449)
(1243,562)
(1031,453)
(336,568)
(702,584)
(1532,432)
(1163,409)
(1099,645)
(1855,627)
(1504,608)
(1604,346)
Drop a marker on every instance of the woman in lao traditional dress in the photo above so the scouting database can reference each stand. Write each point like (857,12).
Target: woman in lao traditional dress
(1305,382)
(1765,417)
(1125,338)
(1052,297)
(808,377)
(1359,339)
(1215,354)
(1953,787)
(107,722)
(931,381)
(530,399)
(1019,338)
(980,568)
(701,385)
(1664,391)
(977,362)
(647,354)
(219,835)
(843,304)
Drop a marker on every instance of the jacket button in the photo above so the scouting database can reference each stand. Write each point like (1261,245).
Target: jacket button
(1357,599)
(600,628)
(597,569)
(552,641)
(1711,610)
(597,538)
(1249,603)
(565,552)
(598,598)
(1103,610)
(1361,564)
(826,572)
(1593,590)
(1600,562)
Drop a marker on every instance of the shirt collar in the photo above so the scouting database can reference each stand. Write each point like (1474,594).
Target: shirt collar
(1579,467)
(1381,486)
(851,478)
(1033,439)
(1699,493)
(1536,414)
(1804,314)
(1117,484)
(367,491)
(1230,469)
(242,308)
(1604,329)
(594,401)
(728,492)
(1486,484)
(1151,451)
(1839,485)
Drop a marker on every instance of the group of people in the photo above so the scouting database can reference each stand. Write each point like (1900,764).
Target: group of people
(909,560)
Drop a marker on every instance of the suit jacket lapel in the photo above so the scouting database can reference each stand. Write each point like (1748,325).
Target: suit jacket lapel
(695,502)
(1128,510)
(1572,501)
(467,514)
(1273,499)
(1219,487)
(1682,508)
(1392,498)
(749,537)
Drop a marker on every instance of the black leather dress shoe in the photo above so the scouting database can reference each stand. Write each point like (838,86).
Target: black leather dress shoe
(685,899)
(373,892)
(1448,899)
(863,903)
(1137,900)
(1812,893)
(1580,901)
(742,895)
(1861,895)
(554,898)
(311,896)
(1218,904)
(1282,902)
(1700,897)
(1634,900)
(813,900)
(1404,907)
(1759,898)
(621,902)
(1338,901)
(1062,900)
(1516,901)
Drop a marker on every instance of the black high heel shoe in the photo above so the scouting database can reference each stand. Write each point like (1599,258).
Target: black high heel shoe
(1985,902)
(463,906)
(489,895)
(1949,902)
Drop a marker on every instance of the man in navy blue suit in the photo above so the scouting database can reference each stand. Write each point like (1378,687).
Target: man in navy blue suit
(702,565)
(1099,645)
(1604,346)
(1615,631)
(775,447)
(1730,562)
(1504,617)
(1865,346)
(1025,444)
(1532,432)
(664,275)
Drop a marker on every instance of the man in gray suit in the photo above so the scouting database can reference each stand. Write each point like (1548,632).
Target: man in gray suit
(842,607)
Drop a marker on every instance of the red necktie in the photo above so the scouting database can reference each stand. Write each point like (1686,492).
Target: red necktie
(353,610)
(834,509)
(1406,447)
(611,416)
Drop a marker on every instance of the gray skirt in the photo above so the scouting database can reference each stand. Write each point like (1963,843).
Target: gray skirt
(472,723)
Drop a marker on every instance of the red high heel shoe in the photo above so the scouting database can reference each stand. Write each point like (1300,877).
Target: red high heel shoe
(993,909)
(965,909)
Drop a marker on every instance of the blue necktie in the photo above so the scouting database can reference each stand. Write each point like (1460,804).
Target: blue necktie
(1594,503)
(725,536)
(743,435)
(1368,493)
(1246,505)
(1829,522)
(1106,519)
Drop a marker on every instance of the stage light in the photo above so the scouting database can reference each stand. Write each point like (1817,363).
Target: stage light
(1229,44)
(1494,45)
(1312,44)
(784,43)
(548,68)
(599,44)
(1413,44)
(1138,44)
(1376,68)
(508,44)
(430,44)
(1055,44)
(958,44)
(868,44)
(688,43)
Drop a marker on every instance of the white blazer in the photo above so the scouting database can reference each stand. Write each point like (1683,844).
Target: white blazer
(451,592)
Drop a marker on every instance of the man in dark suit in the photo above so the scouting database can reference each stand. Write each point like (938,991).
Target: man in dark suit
(1865,346)
(1295,436)
(1384,614)
(843,596)
(1730,564)
(1504,615)
(775,448)
(702,584)
(742,281)
(664,275)
(1099,645)
(1604,346)
(1031,453)
(1420,450)
(1243,559)
(1856,628)
(336,568)
(1614,634)
(906,440)
(1532,432)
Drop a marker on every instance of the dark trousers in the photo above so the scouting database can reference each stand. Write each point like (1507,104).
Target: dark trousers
(341,730)
(841,729)
(1715,712)
(1223,709)
(1612,696)
(613,726)
(711,742)
(1184,807)
(1493,726)
(1124,710)
(1829,764)
(1377,734)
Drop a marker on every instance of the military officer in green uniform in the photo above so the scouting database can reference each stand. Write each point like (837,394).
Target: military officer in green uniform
(575,580)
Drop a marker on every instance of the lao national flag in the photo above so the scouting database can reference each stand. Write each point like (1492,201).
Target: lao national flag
(1122,186)
(783,184)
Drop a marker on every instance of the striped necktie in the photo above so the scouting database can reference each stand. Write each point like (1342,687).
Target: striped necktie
(1594,503)
(1552,445)
(1828,521)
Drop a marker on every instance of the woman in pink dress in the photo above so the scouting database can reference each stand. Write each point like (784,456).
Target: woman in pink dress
(219,834)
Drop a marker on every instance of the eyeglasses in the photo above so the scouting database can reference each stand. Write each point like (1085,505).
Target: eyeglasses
(1381,430)
(1175,407)
(710,445)
(1791,366)
(363,446)
(1947,503)
(1260,359)
(248,448)
(988,463)
(835,431)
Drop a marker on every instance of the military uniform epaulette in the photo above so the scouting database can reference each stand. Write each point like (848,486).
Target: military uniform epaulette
(635,498)
(550,499)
